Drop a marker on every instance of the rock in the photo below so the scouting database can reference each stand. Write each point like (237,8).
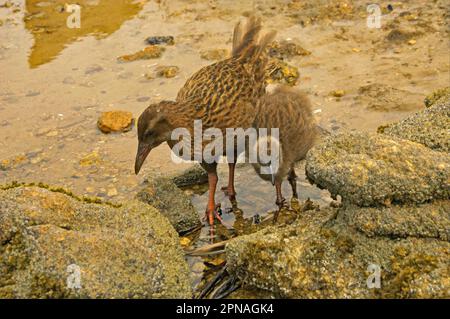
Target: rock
(430,220)
(437,95)
(150,52)
(163,194)
(381,97)
(321,256)
(91,159)
(399,35)
(167,71)
(112,192)
(215,54)
(373,169)
(47,238)
(115,121)
(94,69)
(337,93)
(14,162)
(155,40)
(69,80)
(286,50)
(192,176)
(281,72)
(430,127)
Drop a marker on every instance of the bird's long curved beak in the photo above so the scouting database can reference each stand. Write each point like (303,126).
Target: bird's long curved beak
(142,152)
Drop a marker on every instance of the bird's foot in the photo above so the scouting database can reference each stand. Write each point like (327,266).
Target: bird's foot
(281,203)
(212,215)
(230,193)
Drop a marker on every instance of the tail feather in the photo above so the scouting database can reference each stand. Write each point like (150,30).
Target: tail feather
(246,37)
(249,46)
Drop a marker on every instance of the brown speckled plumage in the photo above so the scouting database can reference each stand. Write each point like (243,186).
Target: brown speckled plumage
(222,95)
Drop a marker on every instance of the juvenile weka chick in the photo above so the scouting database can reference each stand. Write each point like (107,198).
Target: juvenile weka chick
(290,112)
(222,95)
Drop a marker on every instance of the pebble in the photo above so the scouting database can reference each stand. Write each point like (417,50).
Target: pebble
(112,192)
(52,133)
(93,69)
(115,121)
(143,99)
(337,93)
(185,241)
(69,80)
(167,71)
(160,40)
(215,54)
(198,267)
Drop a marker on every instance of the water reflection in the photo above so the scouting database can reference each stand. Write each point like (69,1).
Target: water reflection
(253,211)
(46,20)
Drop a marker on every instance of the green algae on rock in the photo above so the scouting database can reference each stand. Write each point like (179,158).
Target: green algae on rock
(163,194)
(374,169)
(126,252)
(430,127)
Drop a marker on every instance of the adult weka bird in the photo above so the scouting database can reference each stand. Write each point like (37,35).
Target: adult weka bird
(290,112)
(222,95)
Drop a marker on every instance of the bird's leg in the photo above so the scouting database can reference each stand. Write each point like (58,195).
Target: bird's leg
(229,190)
(211,208)
(292,178)
(280,200)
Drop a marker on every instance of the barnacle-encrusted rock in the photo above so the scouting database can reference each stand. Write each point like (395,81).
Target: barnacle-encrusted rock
(430,220)
(53,245)
(374,169)
(163,194)
(430,127)
(320,255)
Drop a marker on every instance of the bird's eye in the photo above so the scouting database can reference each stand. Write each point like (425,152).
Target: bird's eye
(149,133)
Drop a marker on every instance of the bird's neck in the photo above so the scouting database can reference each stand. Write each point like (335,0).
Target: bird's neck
(179,115)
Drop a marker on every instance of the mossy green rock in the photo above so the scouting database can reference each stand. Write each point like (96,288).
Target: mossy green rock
(321,255)
(171,201)
(48,237)
(374,169)
(430,127)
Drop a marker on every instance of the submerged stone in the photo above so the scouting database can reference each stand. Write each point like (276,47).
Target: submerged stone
(150,52)
(154,40)
(215,54)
